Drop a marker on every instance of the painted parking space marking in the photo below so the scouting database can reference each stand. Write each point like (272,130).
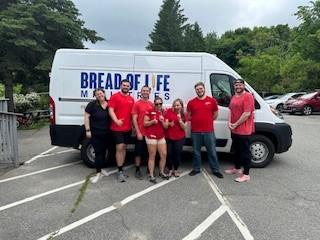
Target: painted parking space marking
(196,233)
(29,199)
(40,171)
(39,155)
(232,213)
(56,153)
(108,209)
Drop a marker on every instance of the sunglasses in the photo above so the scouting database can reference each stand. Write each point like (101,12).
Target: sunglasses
(158,104)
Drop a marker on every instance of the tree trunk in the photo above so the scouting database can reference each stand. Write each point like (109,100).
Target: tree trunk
(9,92)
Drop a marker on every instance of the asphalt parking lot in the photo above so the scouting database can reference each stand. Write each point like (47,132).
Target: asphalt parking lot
(50,198)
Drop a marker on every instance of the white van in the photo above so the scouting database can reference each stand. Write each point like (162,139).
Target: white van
(76,73)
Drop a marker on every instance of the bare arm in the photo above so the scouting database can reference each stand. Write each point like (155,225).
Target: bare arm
(147,122)
(215,115)
(114,118)
(244,116)
(136,126)
(87,124)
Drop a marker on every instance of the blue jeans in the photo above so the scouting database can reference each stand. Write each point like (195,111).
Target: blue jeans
(207,139)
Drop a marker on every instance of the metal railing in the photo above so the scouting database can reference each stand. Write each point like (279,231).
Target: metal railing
(8,135)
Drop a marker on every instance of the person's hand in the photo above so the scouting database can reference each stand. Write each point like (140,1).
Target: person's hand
(179,117)
(232,126)
(154,121)
(171,124)
(139,136)
(88,134)
(161,118)
(119,122)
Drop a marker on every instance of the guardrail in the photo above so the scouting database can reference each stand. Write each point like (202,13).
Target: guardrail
(8,135)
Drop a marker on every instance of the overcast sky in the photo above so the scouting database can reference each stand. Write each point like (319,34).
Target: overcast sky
(126,24)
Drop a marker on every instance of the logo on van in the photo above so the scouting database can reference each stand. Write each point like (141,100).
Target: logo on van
(159,83)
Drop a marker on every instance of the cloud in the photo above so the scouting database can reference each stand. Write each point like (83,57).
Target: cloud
(126,24)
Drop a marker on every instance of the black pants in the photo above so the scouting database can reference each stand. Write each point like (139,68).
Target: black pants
(174,149)
(100,143)
(240,144)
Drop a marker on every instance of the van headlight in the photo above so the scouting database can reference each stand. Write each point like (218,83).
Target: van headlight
(276,112)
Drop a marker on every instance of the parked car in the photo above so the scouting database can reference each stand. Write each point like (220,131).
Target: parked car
(279,102)
(272,97)
(306,104)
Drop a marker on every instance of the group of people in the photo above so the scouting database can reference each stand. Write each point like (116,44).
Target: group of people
(162,131)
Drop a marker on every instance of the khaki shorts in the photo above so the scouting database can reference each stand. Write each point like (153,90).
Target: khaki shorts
(155,141)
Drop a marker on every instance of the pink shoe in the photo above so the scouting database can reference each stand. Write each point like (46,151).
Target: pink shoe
(233,170)
(243,178)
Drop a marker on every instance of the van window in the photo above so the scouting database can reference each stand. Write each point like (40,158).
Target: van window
(221,88)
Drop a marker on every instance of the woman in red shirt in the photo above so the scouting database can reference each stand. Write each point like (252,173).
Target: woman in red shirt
(155,124)
(175,135)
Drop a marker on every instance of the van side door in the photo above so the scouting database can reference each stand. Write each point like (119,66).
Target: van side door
(222,90)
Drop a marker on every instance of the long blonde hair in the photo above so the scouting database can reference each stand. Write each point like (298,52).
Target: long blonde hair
(183,117)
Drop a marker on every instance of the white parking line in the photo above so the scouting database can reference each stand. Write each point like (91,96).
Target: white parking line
(108,209)
(29,199)
(40,171)
(232,213)
(39,155)
(56,153)
(196,233)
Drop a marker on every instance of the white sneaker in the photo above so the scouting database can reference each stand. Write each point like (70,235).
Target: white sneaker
(104,172)
(96,178)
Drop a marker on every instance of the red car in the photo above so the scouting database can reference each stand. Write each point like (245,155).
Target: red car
(306,104)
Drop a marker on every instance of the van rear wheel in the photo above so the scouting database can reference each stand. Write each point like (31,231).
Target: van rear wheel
(262,151)
(87,153)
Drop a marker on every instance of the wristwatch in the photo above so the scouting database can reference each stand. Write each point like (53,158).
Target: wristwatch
(88,130)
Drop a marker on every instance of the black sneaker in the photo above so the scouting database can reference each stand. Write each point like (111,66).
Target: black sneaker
(218,174)
(163,176)
(138,175)
(193,172)
(152,179)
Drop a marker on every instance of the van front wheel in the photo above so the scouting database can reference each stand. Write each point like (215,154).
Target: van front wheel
(262,151)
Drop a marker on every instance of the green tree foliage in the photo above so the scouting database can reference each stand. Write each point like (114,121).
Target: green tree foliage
(30,32)
(193,38)
(167,34)
(261,71)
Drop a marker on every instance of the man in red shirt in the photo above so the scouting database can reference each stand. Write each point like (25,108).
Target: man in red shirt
(120,107)
(140,108)
(241,124)
(203,110)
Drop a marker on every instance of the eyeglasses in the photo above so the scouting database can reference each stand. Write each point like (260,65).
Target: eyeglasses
(158,104)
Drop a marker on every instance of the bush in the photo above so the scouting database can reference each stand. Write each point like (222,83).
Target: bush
(26,103)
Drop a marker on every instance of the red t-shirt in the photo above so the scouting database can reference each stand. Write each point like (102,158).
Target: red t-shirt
(239,105)
(202,111)
(155,131)
(176,132)
(122,105)
(140,108)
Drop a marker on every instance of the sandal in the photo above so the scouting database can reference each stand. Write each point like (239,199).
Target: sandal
(176,173)
(170,174)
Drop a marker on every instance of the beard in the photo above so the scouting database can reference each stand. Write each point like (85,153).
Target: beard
(124,90)
(200,95)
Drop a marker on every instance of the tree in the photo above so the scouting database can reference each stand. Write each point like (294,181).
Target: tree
(167,34)
(30,32)
(193,38)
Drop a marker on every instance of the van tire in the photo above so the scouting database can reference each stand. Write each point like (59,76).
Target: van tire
(262,151)
(87,153)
